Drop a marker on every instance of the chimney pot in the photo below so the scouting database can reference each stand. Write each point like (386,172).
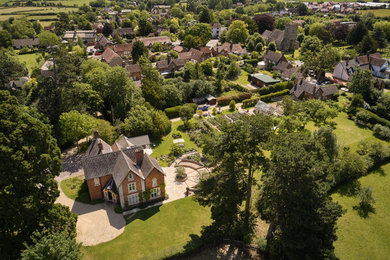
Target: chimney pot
(95,134)
(100,145)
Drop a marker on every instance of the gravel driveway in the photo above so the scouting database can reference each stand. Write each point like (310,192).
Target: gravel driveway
(96,223)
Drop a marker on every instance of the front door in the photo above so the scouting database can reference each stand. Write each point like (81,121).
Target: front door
(109,196)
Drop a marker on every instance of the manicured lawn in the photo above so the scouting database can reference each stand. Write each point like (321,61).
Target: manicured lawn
(165,144)
(30,60)
(366,238)
(348,133)
(155,233)
(243,78)
(76,188)
(387,93)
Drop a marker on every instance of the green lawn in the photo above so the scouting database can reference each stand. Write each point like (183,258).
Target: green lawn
(155,233)
(387,93)
(366,238)
(348,133)
(243,78)
(164,146)
(76,188)
(30,60)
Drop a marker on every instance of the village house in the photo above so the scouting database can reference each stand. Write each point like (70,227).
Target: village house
(124,32)
(102,42)
(112,58)
(30,43)
(228,48)
(169,66)
(261,80)
(88,37)
(162,10)
(123,50)
(309,90)
(134,71)
(374,62)
(98,27)
(274,58)
(124,175)
(149,41)
(47,68)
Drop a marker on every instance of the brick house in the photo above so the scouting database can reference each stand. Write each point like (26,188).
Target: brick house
(308,90)
(123,50)
(127,176)
(274,57)
(112,58)
(134,71)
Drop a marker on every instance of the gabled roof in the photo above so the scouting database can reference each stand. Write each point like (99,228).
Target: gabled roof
(26,42)
(124,31)
(272,56)
(178,49)
(148,164)
(185,55)
(111,57)
(88,34)
(282,66)
(151,40)
(377,61)
(102,40)
(134,68)
(162,64)
(273,36)
(265,78)
(179,62)
(94,149)
(122,47)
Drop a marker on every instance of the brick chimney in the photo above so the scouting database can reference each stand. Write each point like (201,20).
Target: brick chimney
(100,145)
(95,134)
(169,59)
(139,155)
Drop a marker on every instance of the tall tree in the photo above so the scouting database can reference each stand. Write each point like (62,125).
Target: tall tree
(380,37)
(294,198)
(5,39)
(264,22)
(237,32)
(152,89)
(107,29)
(144,27)
(29,161)
(357,33)
(139,50)
(10,67)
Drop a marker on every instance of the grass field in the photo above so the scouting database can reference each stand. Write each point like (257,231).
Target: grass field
(76,188)
(377,12)
(31,12)
(366,238)
(154,233)
(30,60)
(243,78)
(348,133)
(165,144)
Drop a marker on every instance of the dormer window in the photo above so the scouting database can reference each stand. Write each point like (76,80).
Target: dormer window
(154,182)
(130,177)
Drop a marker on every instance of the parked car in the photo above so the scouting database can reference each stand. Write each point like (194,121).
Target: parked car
(203,108)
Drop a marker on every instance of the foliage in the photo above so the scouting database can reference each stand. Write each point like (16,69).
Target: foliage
(186,113)
(311,43)
(321,61)
(138,50)
(152,89)
(320,112)
(361,83)
(5,39)
(366,201)
(142,120)
(197,35)
(75,126)
(237,32)
(294,198)
(382,132)
(174,112)
(357,33)
(264,22)
(47,39)
(176,150)
(272,46)
(224,101)
(56,246)
(10,67)
(233,71)
(268,97)
(106,130)
(367,45)
(30,159)
(232,105)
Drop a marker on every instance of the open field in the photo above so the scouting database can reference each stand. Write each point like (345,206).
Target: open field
(366,238)
(377,12)
(64,2)
(155,233)
(33,13)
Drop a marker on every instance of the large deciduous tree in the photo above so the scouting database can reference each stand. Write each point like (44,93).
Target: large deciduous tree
(29,161)
(294,199)
(10,67)
(264,22)
(237,32)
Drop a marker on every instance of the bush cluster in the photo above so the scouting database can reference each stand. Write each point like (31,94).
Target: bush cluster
(274,88)
(369,117)
(382,132)
(173,112)
(250,102)
(224,101)
(268,98)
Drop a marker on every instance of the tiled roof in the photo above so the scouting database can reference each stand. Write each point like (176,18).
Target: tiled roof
(265,78)
(26,42)
(94,149)
(89,34)
(272,56)
(134,68)
(151,40)
(111,57)
(122,47)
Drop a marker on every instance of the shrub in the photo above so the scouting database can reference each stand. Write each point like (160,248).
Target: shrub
(274,88)
(180,173)
(173,112)
(232,105)
(237,87)
(269,97)
(249,102)
(176,150)
(224,101)
(382,132)
(118,209)
(369,117)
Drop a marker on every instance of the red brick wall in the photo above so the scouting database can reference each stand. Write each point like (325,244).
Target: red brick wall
(96,192)
(160,181)
(138,183)
(257,82)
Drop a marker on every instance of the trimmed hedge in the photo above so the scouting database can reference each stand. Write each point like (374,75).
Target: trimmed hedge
(173,112)
(252,62)
(224,101)
(369,117)
(249,102)
(274,88)
(269,97)
(237,87)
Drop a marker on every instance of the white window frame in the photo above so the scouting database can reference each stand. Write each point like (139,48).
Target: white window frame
(130,177)
(133,199)
(154,182)
(131,184)
(96,181)
(156,193)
